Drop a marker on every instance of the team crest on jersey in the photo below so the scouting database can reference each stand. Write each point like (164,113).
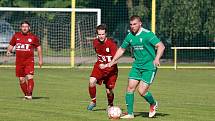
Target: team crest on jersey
(29,40)
(108,50)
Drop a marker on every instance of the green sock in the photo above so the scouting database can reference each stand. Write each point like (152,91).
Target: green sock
(149,98)
(129,97)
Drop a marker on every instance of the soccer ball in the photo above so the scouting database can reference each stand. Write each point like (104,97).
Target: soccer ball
(114,112)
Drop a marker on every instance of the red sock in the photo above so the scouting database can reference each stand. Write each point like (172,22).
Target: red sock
(110,98)
(92,92)
(30,86)
(24,88)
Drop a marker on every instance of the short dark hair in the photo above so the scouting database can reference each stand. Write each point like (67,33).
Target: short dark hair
(135,17)
(101,27)
(25,22)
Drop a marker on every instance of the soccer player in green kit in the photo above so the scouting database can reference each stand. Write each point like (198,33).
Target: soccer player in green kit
(144,66)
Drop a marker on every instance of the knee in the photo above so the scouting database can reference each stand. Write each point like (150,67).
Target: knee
(92,82)
(130,89)
(22,80)
(143,89)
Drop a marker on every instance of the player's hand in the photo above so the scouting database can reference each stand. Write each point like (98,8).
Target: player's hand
(8,53)
(102,66)
(156,62)
(40,63)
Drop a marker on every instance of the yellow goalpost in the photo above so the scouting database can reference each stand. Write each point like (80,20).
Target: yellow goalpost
(153,26)
(73,34)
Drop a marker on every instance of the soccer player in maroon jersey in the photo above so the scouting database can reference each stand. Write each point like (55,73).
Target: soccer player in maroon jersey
(105,49)
(25,42)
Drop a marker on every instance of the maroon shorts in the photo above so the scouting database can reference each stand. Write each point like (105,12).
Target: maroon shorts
(105,76)
(24,68)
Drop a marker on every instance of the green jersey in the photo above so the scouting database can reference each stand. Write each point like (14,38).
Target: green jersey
(143,44)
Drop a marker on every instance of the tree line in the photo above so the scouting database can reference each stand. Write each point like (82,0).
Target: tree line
(178,22)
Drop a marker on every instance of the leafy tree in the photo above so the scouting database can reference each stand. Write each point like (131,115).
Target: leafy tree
(209,24)
(141,8)
(113,13)
(82,3)
(183,21)
(57,4)
(5,3)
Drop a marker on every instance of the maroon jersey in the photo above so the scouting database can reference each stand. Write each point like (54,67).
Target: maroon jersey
(25,45)
(105,51)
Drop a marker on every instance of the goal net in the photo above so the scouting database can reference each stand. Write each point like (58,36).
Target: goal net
(53,27)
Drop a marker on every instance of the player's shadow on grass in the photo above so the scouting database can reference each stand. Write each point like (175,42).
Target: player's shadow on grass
(37,98)
(101,109)
(146,114)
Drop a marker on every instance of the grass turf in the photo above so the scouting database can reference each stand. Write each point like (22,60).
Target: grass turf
(62,95)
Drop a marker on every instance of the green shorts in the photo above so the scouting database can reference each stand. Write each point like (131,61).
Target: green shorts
(142,75)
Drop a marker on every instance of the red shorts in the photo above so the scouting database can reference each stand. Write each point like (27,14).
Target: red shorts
(24,68)
(106,77)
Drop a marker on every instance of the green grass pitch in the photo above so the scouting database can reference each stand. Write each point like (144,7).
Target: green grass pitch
(62,95)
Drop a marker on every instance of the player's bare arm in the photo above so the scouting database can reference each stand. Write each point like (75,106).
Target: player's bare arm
(118,54)
(160,49)
(9,50)
(39,50)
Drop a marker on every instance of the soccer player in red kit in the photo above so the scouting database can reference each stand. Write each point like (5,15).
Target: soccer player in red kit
(25,42)
(105,49)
